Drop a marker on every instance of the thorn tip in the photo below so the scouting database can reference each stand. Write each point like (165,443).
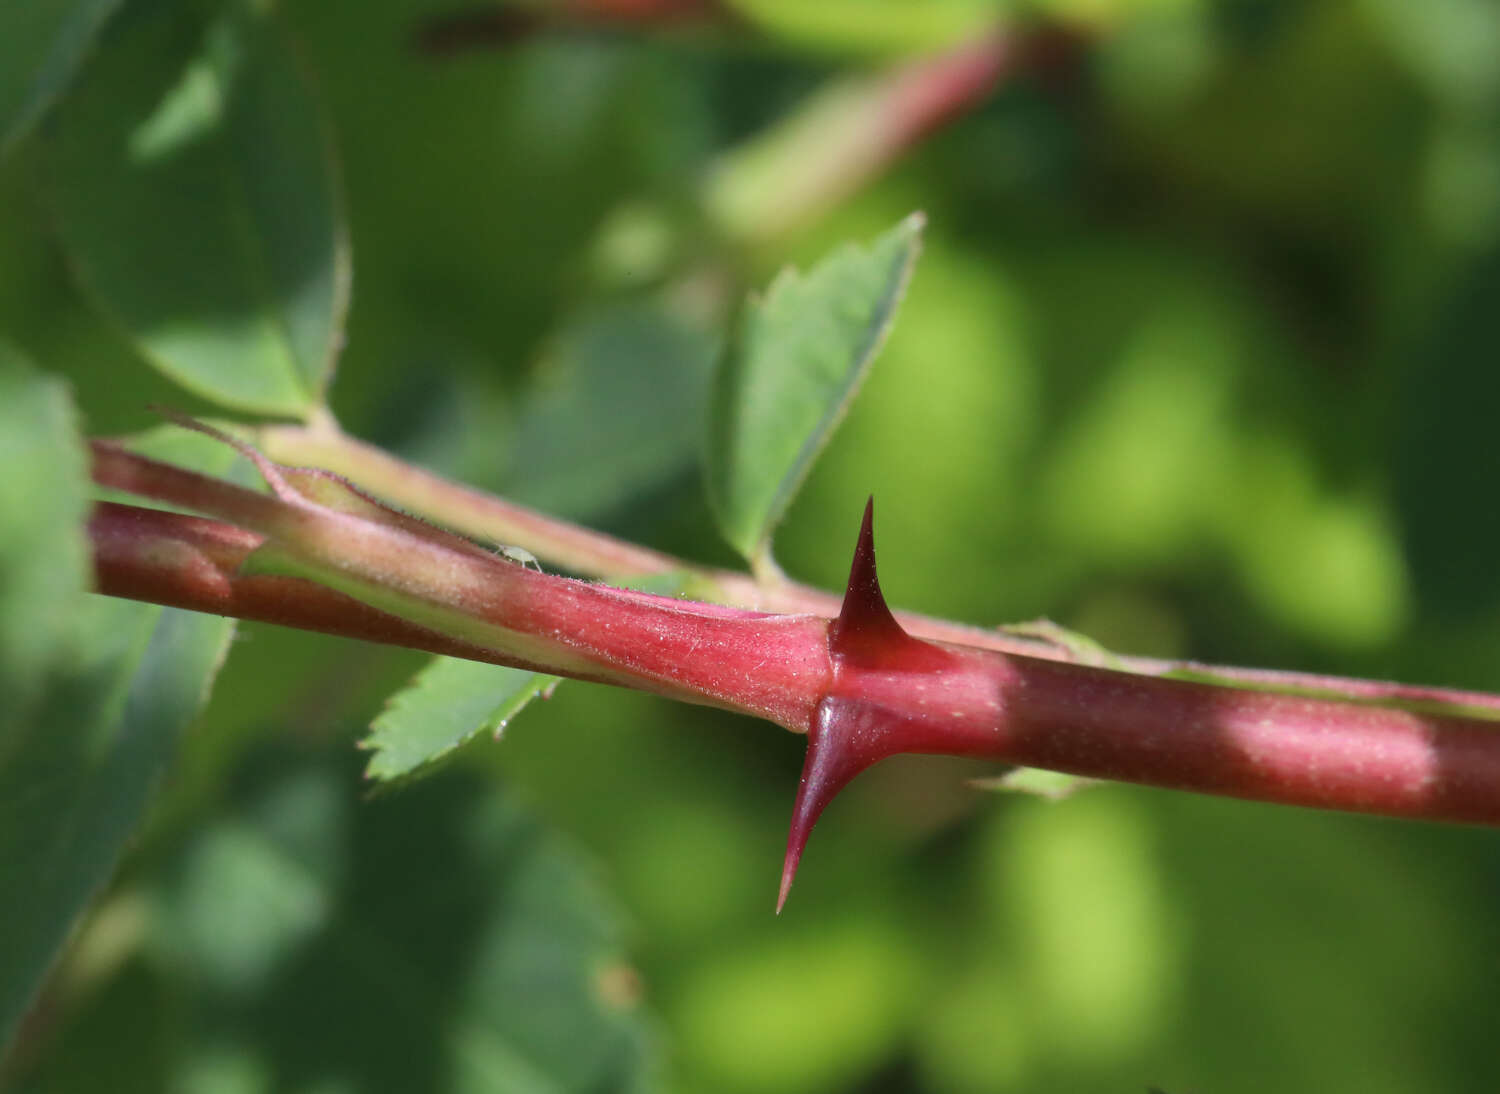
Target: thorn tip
(848,732)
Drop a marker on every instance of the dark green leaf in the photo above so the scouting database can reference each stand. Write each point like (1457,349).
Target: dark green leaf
(76,773)
(439,939)
(96,699)
(41,45)
(796,364)
(449,702)
(195,195)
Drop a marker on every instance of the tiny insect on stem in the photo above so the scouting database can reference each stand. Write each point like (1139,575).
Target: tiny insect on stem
(521,557)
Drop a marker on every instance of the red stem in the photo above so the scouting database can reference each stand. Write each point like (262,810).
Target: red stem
(188,562)
(1259,745)
(860,686)
(893,693)
(594,554)
(769,665)
(940,698)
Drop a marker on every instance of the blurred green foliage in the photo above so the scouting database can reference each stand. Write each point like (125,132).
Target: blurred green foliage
(1200,358)
(209,124)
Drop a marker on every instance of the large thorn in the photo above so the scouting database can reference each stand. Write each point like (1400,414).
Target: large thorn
(849,734)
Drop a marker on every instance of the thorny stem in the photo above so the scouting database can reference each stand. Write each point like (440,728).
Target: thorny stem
(593,554)
(570,547)
(752,662)
(860,686)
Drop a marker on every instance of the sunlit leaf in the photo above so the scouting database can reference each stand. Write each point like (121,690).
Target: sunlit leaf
(449,702)
(195,195)
(452,700)
(1054,785)
(859,26)
(796,363)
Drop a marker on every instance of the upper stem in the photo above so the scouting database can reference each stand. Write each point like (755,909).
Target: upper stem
(593,554)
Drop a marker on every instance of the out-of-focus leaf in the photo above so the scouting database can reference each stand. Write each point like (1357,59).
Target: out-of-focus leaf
(247,889)
(195,193)
(616,411)
(799,358)
(101,693)
(1447,424)
(43,503)
(1452,46)
(449,702)
(42,43)
(1053,785)
(437,939)
(861,974)
(858,26)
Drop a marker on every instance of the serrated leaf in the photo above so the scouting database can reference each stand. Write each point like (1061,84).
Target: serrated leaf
(42,43)
(95,701)
(447,703)
(452,700)
(195,195)
(795,365)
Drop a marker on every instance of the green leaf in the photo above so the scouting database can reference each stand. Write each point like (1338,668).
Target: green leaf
(447,703)
(439,939)
(629,380)
(195,194)
(858,26)
(43,504)
(1053,785)
(95,700)
(77,772)
(796,364)
(42,43)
